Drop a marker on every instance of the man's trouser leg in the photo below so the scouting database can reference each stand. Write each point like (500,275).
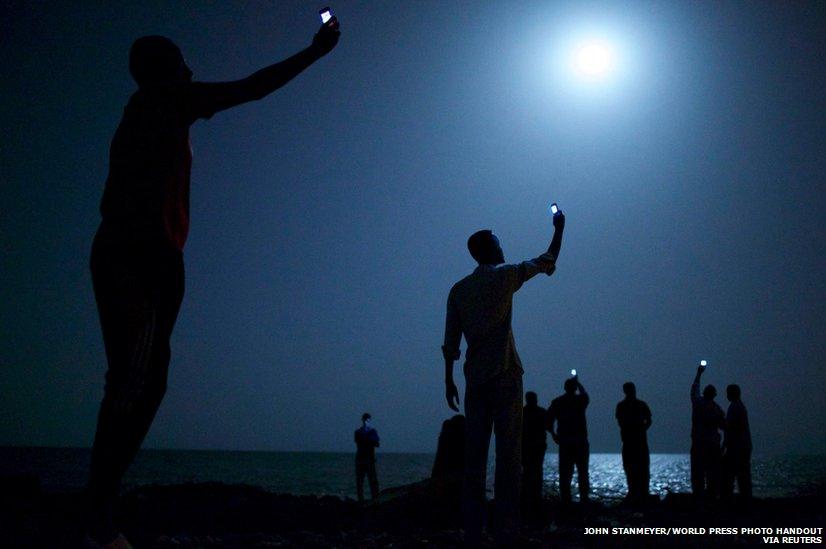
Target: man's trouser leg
(645,471)
(532,479)
(373,479)
(507,426)
(138,296)
(478,425)
(714,469)
(697,471)
(566,471)
(583,475)
(361,471)
(630,471)
(727,476)
(744,474)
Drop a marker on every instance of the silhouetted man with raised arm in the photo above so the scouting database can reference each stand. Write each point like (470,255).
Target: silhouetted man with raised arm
(737,446)
(571,434)
(707,419)
(367,440)
(534,445)
(480,308)
(634,418)
(137,256)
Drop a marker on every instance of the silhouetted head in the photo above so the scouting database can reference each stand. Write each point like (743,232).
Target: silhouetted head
(485,248)
(570,386)
(157,60)
(365,417)
(709,392)
(531,398)
(629,389)
(733,392)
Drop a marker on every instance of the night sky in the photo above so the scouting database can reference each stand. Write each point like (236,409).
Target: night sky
(329,220)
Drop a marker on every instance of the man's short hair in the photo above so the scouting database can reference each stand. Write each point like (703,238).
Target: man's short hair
(710,392)
(629,388)
(479,244)
(733,391)
(570,385)
(154,59)
(531,398)
(365,416)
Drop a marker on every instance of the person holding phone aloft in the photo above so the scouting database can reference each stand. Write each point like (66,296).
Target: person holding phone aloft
(137,256)
(479,307)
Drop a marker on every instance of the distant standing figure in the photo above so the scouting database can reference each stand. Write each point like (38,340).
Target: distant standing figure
(571,434)
(737,446)
(534,446)
(707,419)
(367,440)
(480,308)
(634,418)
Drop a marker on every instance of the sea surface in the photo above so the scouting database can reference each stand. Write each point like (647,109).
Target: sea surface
(302,473)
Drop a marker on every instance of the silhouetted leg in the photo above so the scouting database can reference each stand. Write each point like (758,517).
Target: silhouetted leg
(360,472)
(728,474)
(478,426)
(630,472)
(532,479)
(583,455)
(714,471)
(138,305)
(644,472)
(744,475)
(697,471)
(373,479)
(507,425)
(566,472)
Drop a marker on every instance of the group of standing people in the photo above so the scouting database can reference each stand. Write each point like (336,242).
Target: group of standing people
(716,467)
(565,420)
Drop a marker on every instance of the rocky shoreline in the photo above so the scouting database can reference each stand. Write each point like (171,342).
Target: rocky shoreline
(424,514)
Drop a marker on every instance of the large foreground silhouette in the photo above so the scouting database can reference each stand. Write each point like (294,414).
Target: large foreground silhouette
(137,256)
(479,307)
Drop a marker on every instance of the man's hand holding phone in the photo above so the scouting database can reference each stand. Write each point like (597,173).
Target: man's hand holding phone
(327,36)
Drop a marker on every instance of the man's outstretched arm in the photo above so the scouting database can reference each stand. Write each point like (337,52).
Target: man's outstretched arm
(207,98)
(556,241)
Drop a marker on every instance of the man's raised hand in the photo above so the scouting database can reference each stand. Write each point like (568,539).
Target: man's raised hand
(327,37)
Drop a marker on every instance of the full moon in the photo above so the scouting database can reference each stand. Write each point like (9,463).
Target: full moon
(594,59)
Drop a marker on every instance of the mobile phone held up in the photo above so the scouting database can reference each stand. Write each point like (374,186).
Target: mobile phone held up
(326,14)
(554,209)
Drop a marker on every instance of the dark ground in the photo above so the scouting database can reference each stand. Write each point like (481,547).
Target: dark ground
(424,514)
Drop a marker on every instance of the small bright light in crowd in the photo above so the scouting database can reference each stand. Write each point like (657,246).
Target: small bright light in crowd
(594,59)
(703,363)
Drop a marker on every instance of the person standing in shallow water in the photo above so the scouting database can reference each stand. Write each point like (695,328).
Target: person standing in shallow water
(707,419)
(736,446)
(534,446)
(137,255)
(367,440)
(571,434)
(480,307)
(634,418)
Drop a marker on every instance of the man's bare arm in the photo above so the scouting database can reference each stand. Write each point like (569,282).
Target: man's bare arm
(208,98)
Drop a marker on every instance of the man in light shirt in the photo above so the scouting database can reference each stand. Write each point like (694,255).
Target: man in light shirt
(479,307)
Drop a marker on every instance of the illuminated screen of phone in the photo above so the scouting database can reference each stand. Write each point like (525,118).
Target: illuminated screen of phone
(325,15)
(554,209)
(573,372)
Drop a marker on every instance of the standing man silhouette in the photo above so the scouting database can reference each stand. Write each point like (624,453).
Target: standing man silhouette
(634,418)
(367,440)
(137,256)
(480,307)
(707,419)
(534,445)
(571,434)
(737,446)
